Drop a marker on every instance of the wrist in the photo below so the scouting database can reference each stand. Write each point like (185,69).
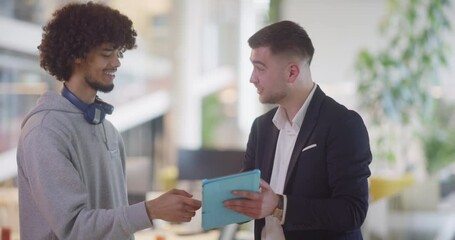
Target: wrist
(148,209)
(278,211)
(280,204)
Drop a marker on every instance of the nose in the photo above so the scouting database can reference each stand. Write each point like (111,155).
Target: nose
(115,58)
(253,78)
(116,62)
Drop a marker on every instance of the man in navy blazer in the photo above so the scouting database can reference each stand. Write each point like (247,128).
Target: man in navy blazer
(313,152)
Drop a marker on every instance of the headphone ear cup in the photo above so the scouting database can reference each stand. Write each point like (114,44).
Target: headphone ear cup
(94,113)
(108,109)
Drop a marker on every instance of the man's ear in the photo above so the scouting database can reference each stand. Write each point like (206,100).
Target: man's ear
(293,72)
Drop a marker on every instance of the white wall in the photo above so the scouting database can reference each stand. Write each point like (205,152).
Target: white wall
(339,29)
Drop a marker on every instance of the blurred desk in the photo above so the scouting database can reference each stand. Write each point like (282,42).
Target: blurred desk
(418,212)
(183,231)
(151,234)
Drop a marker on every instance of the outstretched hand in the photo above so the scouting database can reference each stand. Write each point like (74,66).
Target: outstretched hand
(173,206)
(254,204)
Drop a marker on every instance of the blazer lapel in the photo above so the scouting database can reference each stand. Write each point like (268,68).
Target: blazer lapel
(269,152)
(309,122)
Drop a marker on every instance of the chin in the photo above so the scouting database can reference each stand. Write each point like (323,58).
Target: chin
(263,101)
(106,89)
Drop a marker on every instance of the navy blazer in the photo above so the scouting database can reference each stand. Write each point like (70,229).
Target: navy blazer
(326,183)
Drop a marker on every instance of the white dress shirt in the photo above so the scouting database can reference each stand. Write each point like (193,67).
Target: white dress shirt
(286,141)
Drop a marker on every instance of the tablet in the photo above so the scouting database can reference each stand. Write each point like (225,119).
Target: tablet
(217,190)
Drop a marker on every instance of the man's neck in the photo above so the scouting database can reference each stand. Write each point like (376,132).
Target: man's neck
(292,107)
(82,91)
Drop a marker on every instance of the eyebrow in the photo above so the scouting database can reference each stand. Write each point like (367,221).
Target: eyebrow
(259,63)
(105,49)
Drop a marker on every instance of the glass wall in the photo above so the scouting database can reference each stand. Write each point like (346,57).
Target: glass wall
(144,70)
(185,58)
(21,83)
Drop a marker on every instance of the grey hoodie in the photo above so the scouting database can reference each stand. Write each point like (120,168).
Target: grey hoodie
(71,177)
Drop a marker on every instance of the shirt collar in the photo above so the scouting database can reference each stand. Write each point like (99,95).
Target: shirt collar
(280,119)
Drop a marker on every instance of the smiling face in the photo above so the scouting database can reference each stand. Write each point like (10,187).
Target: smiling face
(269,76)
(99,66)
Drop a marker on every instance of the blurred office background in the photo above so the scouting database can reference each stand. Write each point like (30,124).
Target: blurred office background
(185,92)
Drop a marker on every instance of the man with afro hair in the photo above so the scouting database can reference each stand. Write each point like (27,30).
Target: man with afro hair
(71,161)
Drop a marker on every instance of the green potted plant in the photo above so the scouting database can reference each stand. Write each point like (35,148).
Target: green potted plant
(397,85)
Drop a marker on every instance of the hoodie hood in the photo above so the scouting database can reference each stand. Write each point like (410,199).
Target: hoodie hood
(51,101)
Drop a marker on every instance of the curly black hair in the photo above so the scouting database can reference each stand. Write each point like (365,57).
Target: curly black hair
(77,28)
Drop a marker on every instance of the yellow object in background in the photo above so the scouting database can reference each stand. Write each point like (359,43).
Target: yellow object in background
(168,177)
(381,187)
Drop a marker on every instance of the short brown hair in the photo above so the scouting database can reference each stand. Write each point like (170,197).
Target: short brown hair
(284,37)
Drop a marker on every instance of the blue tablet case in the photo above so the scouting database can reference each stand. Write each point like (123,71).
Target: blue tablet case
(217,190)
